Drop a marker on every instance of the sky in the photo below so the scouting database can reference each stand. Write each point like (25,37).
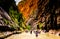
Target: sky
(17,1)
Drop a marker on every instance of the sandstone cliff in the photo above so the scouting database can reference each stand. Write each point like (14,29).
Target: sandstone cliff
(42,11)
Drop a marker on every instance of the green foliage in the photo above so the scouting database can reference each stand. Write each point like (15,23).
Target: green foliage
(40,25)
(6,21)
(23,25)
(16,17)
(28,27)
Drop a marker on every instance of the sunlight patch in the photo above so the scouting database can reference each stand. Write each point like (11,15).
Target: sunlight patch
(17,1)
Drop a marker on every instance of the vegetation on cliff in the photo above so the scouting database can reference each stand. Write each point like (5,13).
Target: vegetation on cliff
(46,12)
(9,9)
(32,13)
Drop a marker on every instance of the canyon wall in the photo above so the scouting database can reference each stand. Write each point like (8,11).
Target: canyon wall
(41,10)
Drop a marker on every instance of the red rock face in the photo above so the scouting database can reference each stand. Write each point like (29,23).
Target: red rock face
(27,7)
(45,11)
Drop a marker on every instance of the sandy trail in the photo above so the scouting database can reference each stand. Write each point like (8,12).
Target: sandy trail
(25,35)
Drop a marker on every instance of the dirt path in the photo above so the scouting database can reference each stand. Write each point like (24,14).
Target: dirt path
(25,35)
